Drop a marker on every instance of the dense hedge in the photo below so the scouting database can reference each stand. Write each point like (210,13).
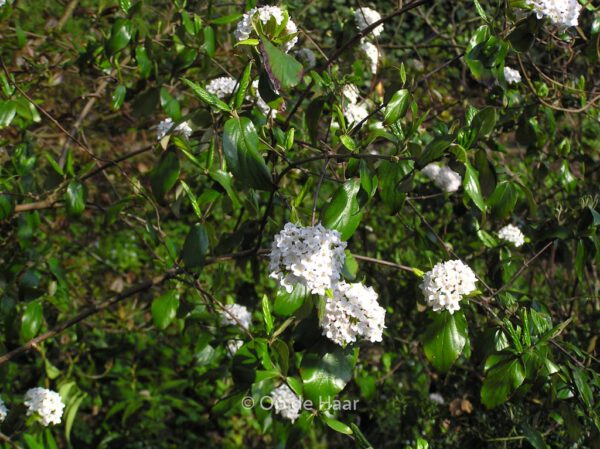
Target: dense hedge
(316,224)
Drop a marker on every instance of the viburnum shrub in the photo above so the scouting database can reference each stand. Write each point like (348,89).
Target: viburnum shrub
(313,224)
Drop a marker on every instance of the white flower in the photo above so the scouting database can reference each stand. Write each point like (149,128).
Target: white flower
(244,27)
(446,283)
(222,87)
(286,403)
(306,56)
(165,126)
(234,345)
(3,409)
(437,398)
(365,17)
(560,12)
(512,76)
(46,404)
(443,177)
(2,3)
(351,93)
(236,315)
(356,113)
(353,311)
(372,53)
(512,234)
(311,256)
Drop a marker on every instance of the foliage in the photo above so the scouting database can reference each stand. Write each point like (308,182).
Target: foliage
(120,251)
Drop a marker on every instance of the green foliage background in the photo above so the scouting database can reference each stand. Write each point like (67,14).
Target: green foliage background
(118,251)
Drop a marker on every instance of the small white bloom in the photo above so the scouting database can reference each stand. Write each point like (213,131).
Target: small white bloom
(353,311)
(443,177)
(244,27)
(164,127)
(560,12)
(512,234)
(46,404)
(437,398)
(222,87)
(236,315)
(286,403)
(351,93)
(365,17)
(372,53)
(512,76)
(3,409)
(307,57)
(233,346)
(311,256)
(446,283)
(356,113)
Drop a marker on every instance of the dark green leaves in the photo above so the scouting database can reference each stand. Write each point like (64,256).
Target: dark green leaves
(240,94)
(118,97)
(445,339)
(325,370)
(75,198)
(207,97)
(165,175)
(504,199)
(120,36)
(343,212)
(434,150)
(164,309)
(505,375)
(287,303)
(31,321)
(472,188)
(8,109)
(240,145)
(283,69)
(195,247)
(397,106)
(395,181)
(484,121)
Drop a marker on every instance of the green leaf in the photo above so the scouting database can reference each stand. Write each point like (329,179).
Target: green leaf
(165,175)
(31,321)
(120,35)
(240,145)
(326,368)
(210,44)
(349,143)
(164,309)
(503,378)
(533,436)
(503,200)
(75,198)
(240,95)
(583,387)
(225,180)
(207,97)
(283,70)
(343,211)
(118,97)
(195,247)
(6,206)
(71,412)
(445,339)
(287,303)
(480,11)
(267,317)
(395,181)
(397,106)
(484,121)
(472,188)
(192,198)
(143,61)
(8,110)
(434,150)
(361,440)
(336,425)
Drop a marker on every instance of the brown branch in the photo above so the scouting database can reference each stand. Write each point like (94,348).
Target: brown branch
(385,263)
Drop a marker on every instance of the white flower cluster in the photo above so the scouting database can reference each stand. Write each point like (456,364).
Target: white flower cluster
(372,53)
(443,177)
(221,87)
(3,409)
(512,76)
(446,283)
(234,345)
(311,256)
(354,111)
(560,12)
(512,234)
(353,311)
(236,315)
(306,56)
(165,126)
(46,404)
(437,398)
(365,17)
(286,403)
(245,29)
